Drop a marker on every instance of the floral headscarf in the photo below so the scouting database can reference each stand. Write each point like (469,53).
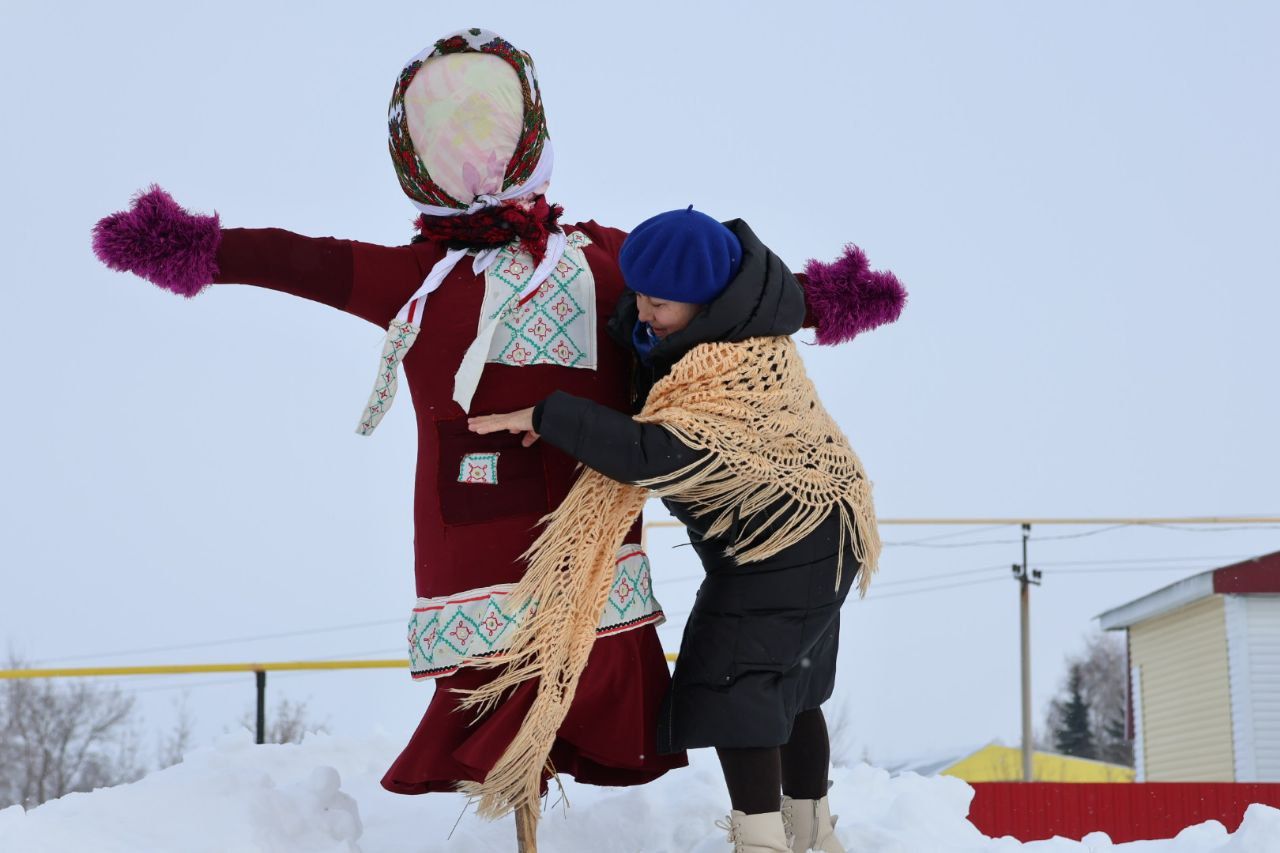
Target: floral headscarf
(479,82)
(472,153)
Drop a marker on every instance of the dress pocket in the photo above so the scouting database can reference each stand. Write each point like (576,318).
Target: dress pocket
(487,477)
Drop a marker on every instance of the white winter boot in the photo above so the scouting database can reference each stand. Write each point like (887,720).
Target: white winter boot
(756,833)
(810,825)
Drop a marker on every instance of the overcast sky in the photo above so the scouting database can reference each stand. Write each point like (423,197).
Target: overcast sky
(1079,197)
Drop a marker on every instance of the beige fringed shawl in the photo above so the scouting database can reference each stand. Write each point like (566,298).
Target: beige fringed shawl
(771,442)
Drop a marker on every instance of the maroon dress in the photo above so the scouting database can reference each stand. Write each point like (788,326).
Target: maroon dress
(464,539)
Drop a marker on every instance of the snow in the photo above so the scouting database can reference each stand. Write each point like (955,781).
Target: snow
(323,796)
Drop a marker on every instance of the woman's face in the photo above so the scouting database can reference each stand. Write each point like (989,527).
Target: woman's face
(663,315)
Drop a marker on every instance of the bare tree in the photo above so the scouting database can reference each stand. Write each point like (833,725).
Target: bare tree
(57,737)
(288,724)
(173,747)
(1103,686)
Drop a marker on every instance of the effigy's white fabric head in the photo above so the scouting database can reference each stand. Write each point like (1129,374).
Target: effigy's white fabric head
(465,112)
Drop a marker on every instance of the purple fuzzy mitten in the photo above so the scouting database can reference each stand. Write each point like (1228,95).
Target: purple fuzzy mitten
(160,241)
(847,297)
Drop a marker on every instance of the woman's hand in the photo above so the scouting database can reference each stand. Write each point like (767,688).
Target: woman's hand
(513,422)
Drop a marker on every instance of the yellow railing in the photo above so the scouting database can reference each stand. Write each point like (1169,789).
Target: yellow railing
(198,668)
(259,670)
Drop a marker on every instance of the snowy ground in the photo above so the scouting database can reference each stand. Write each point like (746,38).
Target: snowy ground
(323,797)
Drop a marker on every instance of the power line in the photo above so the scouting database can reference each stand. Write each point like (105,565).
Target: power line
(918,543)
(1126,570)
(1126,560)
(231,641)
(927,543)
(1117,565)
(931,589)
(1216,529)
(951,535)
(1002,567)
(1106,566)
(1122,561)
(924,543)
(193,685)
(1086,533)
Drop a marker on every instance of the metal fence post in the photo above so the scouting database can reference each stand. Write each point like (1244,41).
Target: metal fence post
(260,676)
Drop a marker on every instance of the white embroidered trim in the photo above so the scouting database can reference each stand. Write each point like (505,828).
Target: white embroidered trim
(445,631)
(557,325)
(400,336)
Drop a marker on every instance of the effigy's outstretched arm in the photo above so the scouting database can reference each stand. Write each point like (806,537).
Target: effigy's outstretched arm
(846,297)
(185,252)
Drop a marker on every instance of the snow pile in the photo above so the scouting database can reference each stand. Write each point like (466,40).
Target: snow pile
(232,798)
(235,797)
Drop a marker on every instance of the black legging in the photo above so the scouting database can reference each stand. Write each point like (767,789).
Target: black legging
(757,777)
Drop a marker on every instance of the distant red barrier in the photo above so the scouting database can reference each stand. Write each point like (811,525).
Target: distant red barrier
(1124,811)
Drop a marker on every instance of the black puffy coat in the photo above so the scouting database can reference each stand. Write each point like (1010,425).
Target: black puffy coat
(760,644)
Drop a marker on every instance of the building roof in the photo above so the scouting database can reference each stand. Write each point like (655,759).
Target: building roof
(1255,576)
(996,762)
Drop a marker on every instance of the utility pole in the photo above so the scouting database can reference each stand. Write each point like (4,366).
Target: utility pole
(1025,578)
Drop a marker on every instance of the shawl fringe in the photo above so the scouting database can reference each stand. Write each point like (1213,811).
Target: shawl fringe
(752,407)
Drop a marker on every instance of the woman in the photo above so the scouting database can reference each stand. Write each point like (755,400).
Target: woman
(731,435)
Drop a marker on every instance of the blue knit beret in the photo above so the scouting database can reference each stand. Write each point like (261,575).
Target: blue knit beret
(681,255)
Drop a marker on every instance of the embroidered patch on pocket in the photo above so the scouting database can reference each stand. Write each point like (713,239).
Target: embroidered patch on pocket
(479,468)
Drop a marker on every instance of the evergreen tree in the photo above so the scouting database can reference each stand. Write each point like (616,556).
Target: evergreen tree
(1102,668)
(1074,735)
